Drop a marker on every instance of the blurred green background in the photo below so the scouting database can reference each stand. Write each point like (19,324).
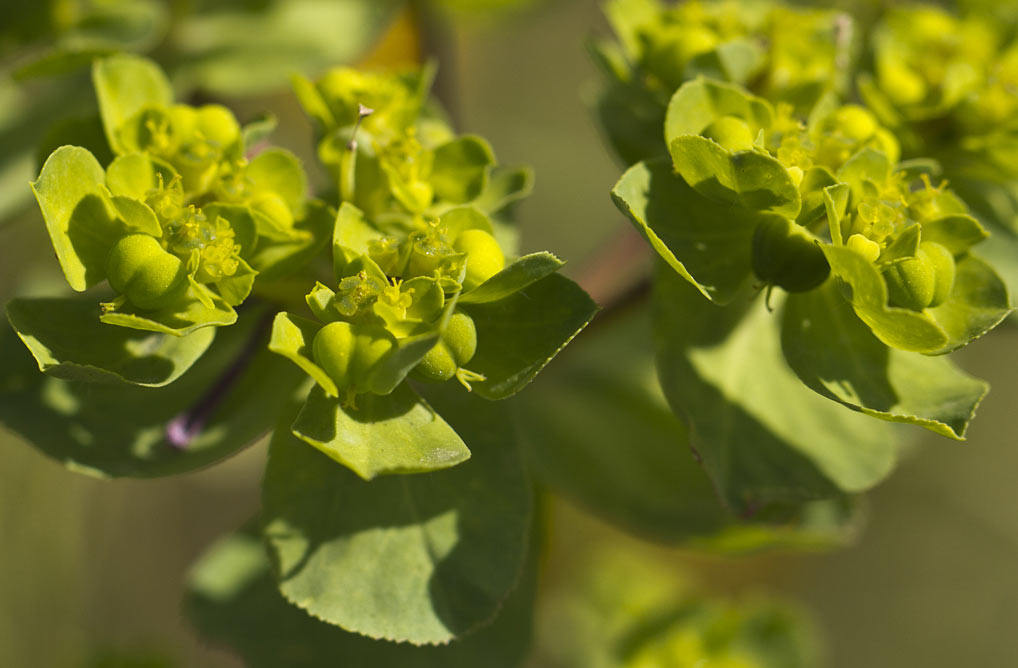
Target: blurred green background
(93,570)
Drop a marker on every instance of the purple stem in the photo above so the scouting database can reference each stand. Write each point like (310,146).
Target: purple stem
(186,426)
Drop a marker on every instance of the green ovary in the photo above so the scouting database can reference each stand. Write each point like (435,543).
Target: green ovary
(147,275)
(922,281)
(455,348)
(349,353)
(484,256)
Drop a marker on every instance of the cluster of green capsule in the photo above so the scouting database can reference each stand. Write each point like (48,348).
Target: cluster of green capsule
(404,288)
(927,61)
(407,242)
(189,208)
(152,271)
(884,209)
(889,216)
(785,54)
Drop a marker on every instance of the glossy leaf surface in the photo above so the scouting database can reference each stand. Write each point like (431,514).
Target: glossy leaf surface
(762,435)
(382,434)
(422,559)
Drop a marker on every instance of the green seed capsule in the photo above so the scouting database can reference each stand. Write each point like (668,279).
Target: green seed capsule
(911,283)
(349,353)
(786,255)
(455,348)
(147,275)
(731,132)
(943,270)
(484,256)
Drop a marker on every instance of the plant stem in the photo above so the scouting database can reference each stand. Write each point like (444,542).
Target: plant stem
(186,426)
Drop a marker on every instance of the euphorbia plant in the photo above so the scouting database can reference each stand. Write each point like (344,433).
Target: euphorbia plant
(403,276)
(875,255)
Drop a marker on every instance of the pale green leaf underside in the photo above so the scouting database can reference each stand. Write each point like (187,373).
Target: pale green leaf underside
(125,84)
(383,434)
(233,602)
(68,341)
(422,559)
(837,355)
(706,243)
(762,435)
(519,334)
(81,224)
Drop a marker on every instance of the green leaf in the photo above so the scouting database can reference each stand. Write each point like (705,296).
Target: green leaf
(866,165)
(697,104)
(68,341)
(236,288)
(351,236)
(957,233)
(462,218)
(384,434)
(836,203)
(904,246)
(632,118)
(763,437)
(460,170)
(179,319)
(747,179)
(135,174)
(815,184)
(837,355)
(126,84)
(292,337)
(392,369)
(867,292)
(507,185)
(518,275)
(979,302)
(278,170)
(137,216)
(284,258)
(422,559)
(707,243)
(598,430)
(736,60)
(81,224)
(519,334)
(229,398)
(233,602)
